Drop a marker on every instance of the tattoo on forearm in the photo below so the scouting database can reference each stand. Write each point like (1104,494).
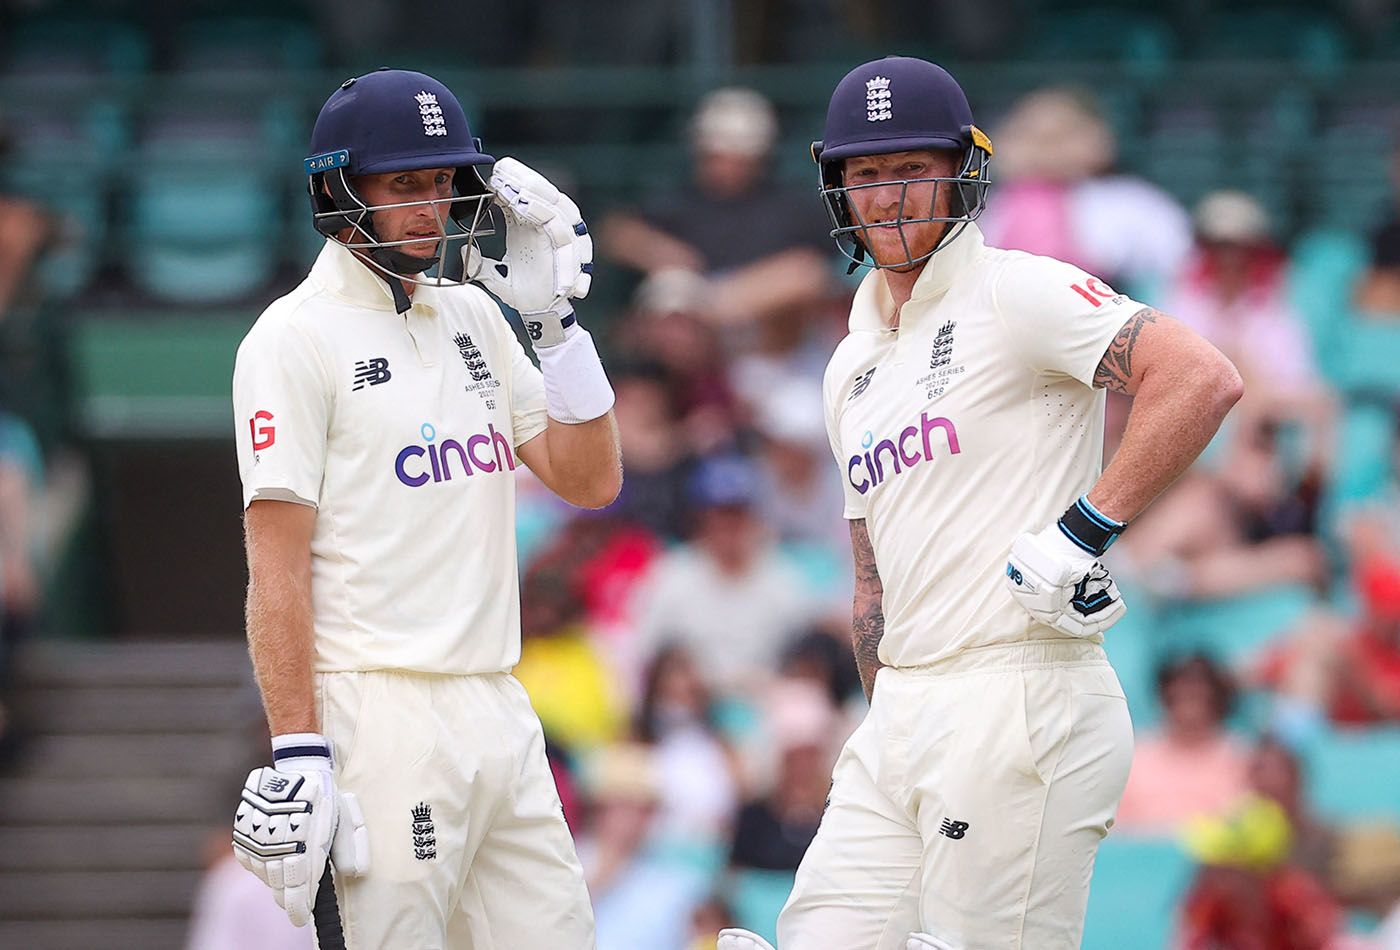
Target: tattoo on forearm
(868,614)
(1115,370)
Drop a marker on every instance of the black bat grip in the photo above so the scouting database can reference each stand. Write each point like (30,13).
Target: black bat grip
(326,914)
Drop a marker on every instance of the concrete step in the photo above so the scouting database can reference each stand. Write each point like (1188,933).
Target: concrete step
(95,803)
(142,755)
(96,934)
(125,848)
(67,663)
(74,895)
(109,710)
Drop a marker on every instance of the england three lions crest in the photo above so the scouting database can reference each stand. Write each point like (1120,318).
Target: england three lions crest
(482,380)
(879,101)
(940,362)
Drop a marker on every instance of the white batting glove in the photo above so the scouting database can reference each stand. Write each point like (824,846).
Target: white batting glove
(549,253)
(733,938)
(291,818)
(926,942)
(1056,574)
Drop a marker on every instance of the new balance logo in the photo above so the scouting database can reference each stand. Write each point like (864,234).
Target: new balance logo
(276,784)
(953,829)
(424,834)
(862,383)
(372,372)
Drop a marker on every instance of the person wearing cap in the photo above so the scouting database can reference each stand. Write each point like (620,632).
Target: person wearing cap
(757,243)
(1234,293)
(965,410)
(381,408)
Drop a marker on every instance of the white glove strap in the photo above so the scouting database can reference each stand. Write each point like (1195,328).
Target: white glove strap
(575,387)
(301,752)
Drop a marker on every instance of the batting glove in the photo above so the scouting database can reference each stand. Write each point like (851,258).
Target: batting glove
(549,253)
(291,818)
(1056,574)
(733,938)
(926,942)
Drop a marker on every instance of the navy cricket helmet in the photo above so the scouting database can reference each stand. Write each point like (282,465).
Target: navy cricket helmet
(900,104)
(395,120)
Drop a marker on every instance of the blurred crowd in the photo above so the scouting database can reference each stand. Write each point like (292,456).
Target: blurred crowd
(687,648)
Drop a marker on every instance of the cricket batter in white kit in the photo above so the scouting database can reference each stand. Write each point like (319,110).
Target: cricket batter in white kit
(966,412)
(380,415)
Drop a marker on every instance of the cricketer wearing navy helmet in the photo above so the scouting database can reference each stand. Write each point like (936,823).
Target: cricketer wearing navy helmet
(382,408)
(965,411)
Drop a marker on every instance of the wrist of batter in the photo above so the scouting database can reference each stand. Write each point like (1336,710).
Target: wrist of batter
(301,751)
(576,389)
(1088,528)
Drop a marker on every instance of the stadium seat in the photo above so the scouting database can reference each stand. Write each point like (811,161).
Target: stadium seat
(74,44)
(1369,363)
(1132,900)
(203,235)
(1133,649)
(1140,42)
(1234,628)
(1326,264)
(246,44)
(757,896)
(1355,774)
(1298,35)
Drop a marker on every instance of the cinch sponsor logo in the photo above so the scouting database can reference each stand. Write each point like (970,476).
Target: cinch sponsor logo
(912,446)
(416,465)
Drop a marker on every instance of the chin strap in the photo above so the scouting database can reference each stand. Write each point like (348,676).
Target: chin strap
(397,262)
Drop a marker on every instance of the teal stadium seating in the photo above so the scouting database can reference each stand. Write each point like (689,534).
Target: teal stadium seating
(1355,774)
(1132,900)
(757,896)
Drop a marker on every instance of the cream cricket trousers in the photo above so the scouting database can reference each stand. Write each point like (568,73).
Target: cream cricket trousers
(969,804)
(468,846)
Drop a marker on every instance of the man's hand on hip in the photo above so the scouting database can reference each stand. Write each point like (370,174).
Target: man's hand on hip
(1056,574)
(291,819)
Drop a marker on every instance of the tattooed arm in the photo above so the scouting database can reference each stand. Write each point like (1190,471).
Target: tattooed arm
(868,613)
(1182,387)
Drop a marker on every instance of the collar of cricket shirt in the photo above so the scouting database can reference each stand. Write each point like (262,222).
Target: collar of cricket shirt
(346,276)
(872,307)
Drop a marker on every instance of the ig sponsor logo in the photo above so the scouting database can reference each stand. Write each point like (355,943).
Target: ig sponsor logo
(434,461)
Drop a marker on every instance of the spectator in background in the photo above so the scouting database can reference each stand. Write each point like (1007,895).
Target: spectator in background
(1057,194)
(1377,293)
(729,596)
(1247,893)
(1244,526)
(772,832)
(1358,863)
(801,490)
(761,247)
(21,476)
(1348,672)
(696,783)
(642,897)
(1190,765)
(1234,292)
(570,685)
(25,230)
(665,327)
(653,443)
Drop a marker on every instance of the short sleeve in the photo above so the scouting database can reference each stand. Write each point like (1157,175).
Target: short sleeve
(282,407)
(1060,318)
(528,416)
(854,502)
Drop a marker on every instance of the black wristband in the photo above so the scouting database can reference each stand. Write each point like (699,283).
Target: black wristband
(1089,529)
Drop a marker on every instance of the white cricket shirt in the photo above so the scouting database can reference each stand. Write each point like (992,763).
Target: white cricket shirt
(974,421)
(401,430)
